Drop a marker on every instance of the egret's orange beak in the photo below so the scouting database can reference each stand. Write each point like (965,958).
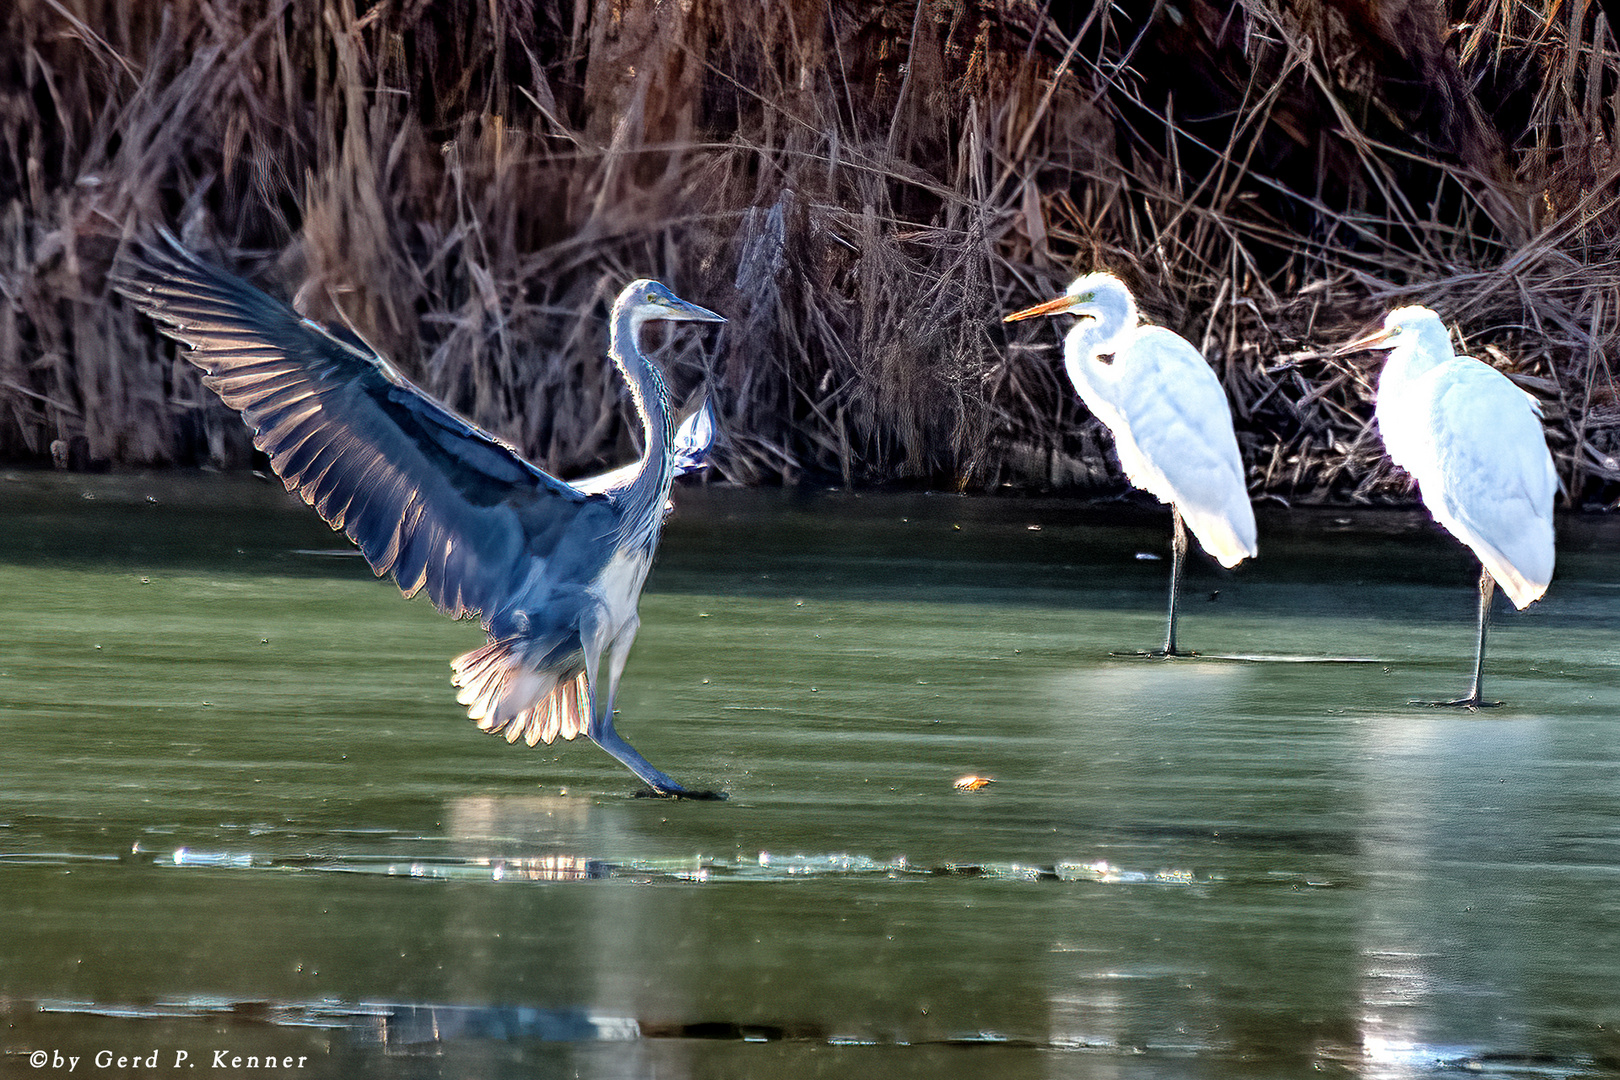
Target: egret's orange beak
(1051,307)
(1365,341)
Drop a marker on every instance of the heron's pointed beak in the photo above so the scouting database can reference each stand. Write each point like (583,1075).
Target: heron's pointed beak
(685,311)
(1365,341)
(1052,307)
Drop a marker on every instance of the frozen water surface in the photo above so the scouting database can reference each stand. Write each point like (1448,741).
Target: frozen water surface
(242,812)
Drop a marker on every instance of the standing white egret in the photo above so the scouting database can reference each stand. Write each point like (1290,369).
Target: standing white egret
(553,571)
(1473,441)
(1168,414)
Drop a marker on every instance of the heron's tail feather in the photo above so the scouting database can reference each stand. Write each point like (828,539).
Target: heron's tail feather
(505,696)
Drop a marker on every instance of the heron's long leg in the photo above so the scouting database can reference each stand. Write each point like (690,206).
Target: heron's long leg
(600,730)
(603,733)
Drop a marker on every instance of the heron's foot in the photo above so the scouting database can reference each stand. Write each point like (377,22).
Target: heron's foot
(681,793)
(1471,702)
(1156,654)
(659,785)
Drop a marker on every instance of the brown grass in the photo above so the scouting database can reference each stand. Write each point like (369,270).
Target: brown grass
(862,186)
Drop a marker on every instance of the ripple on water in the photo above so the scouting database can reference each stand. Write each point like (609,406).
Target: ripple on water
(767,866)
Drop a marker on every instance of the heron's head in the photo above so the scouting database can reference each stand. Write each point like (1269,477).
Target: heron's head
(1089,297)
(1412,325)
(649,301)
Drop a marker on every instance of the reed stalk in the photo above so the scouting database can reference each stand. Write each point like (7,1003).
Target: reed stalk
(863,186)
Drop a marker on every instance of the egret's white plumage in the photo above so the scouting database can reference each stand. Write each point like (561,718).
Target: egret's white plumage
(1168,414)
(1473,441)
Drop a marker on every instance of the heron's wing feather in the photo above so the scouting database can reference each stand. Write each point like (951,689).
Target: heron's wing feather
(611,480)
(441,504)
(1475,444)
(506,695)
(690,452)
(1175,439)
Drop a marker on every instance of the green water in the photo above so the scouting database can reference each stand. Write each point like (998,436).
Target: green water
(240,810)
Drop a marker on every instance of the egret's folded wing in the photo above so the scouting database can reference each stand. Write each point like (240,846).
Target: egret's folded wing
(1179,444)
(428,496)
(1479,454)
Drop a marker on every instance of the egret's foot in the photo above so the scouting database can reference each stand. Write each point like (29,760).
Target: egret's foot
(1472,702)
(1157,654)
(681,793)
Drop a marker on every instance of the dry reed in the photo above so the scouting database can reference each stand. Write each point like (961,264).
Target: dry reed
(864,186)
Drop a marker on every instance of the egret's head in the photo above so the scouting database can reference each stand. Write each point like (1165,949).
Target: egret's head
(647,301)
(1087,297)
(1403,326)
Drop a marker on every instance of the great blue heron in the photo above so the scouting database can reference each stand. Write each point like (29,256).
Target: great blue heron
(1473,442)
(1171,424)
(552,570)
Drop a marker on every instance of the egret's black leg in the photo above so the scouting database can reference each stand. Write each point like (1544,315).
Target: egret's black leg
(1473,700)
(1178,554)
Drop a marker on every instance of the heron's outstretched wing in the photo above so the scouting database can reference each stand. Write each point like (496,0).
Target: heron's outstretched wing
(694,439)
(690,451)
(428,496)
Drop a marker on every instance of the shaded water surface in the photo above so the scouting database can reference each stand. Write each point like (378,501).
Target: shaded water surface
(241,813)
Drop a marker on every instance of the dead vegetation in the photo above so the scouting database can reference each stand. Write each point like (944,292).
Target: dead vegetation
(863,186)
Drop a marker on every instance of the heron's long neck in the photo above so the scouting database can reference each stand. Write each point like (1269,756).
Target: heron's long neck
(643,498)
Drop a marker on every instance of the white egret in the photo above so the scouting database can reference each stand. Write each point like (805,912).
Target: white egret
(553,571)
(1169,417)
(1473,441)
